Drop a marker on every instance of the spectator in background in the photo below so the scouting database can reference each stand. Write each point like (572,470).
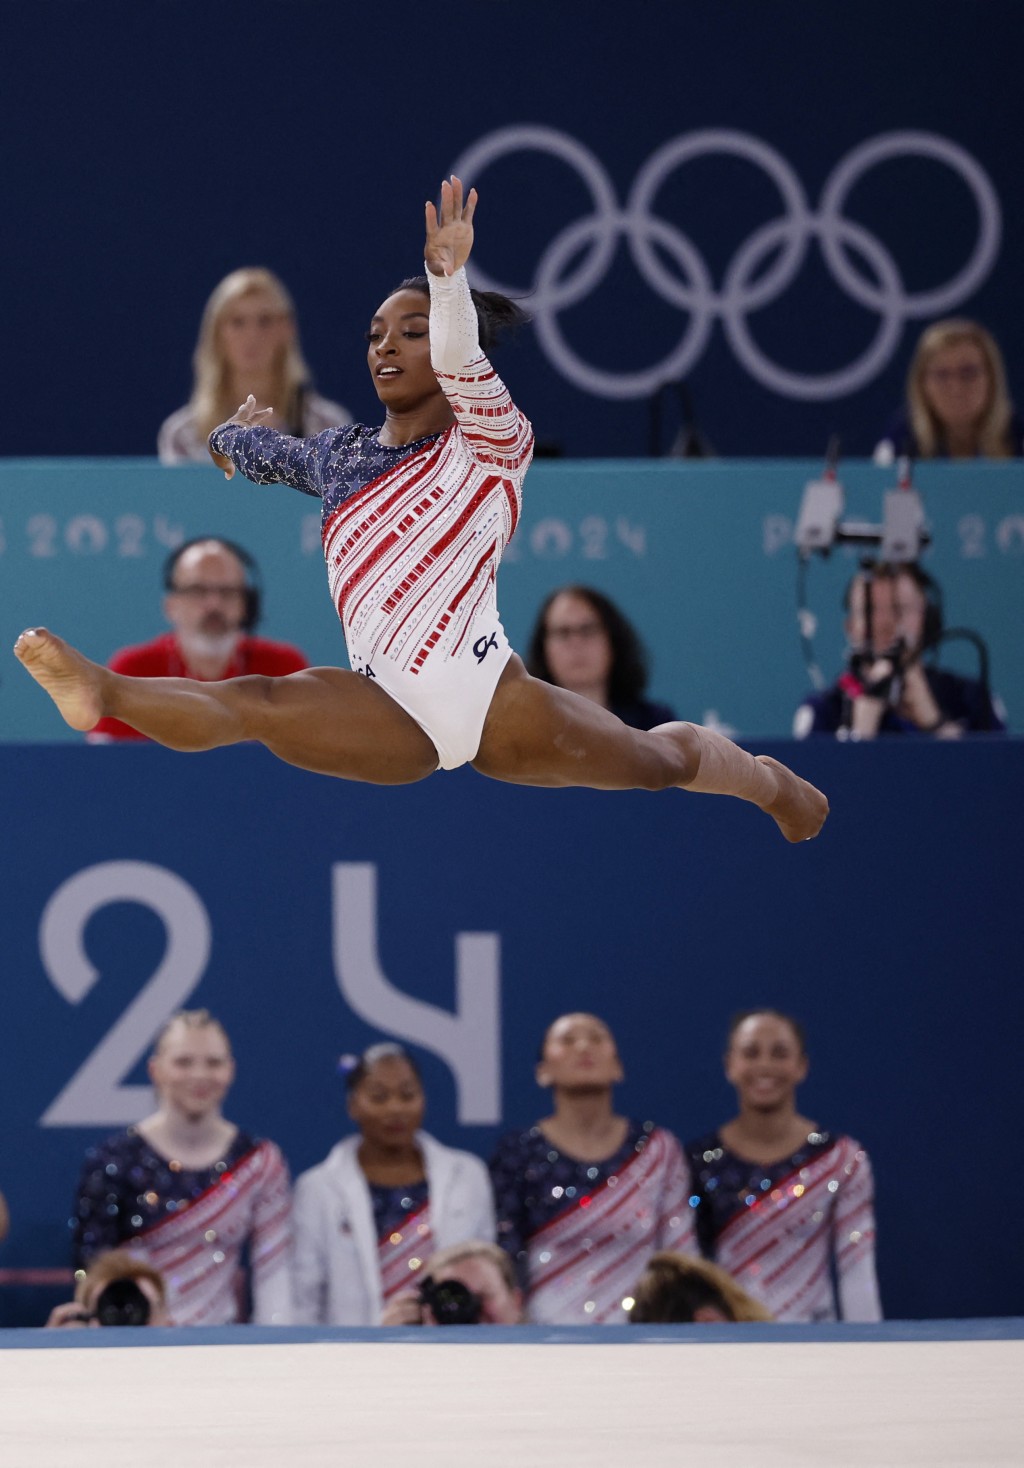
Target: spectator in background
(782,1204)
(139,1296)
(212,599)
(893,617)
(248,343)
(581,641)
(383,1200)
(676,1289)
(482,1269)
(191,1193)
(584,1197)
(958,405)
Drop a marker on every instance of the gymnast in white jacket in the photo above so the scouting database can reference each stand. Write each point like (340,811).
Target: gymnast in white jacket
(381,1202)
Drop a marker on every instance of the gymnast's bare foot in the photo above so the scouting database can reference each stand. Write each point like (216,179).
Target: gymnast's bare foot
(71,680)
(798,809)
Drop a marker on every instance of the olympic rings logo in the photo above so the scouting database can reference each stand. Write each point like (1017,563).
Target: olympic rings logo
(593,240)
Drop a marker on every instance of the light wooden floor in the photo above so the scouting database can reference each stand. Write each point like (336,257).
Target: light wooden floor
(360,1405)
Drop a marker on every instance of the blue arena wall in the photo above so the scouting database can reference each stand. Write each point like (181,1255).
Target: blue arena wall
(462,914)
(699,555)
(769,201)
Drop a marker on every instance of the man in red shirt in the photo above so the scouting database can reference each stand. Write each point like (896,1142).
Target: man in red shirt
(212,602)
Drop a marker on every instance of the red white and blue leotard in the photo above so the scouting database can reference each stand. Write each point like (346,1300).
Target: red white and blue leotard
(413,535)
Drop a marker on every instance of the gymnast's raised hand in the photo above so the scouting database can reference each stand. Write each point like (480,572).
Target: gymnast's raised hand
(450,232)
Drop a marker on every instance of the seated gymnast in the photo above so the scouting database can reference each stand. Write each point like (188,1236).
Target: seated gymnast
(416,515)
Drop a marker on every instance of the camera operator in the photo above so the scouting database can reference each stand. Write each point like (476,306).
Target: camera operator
(116,1289)
(893,617)
(469,1284)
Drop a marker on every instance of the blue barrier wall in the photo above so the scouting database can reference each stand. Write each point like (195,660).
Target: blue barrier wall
(700,556)
(768,200)
(308,913)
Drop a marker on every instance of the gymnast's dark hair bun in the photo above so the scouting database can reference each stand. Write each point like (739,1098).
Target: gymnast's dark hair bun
(497,316)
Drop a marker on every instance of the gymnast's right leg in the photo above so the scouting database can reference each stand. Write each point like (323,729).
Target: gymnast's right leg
(323,719)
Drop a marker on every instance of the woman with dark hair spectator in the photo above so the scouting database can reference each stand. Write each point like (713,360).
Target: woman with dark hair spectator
(190,1192)
(581,641)
(783,1204)
(676,1289)
(958,405)
(585,1196)
(383,1200)
(248,343)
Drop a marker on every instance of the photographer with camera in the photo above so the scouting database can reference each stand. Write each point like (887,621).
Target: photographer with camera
(116,1289)
(894,617)
(468,1284)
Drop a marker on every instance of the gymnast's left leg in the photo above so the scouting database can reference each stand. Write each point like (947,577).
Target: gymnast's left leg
(537,734)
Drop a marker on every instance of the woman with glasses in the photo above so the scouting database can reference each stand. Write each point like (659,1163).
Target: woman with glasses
(958,405)
(416,517)
(582,642)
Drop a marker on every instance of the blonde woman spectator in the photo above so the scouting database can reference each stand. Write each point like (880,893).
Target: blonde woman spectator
(958,405)
(248,343)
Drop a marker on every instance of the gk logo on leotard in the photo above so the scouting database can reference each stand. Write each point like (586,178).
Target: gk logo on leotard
(483,645)
(762,269)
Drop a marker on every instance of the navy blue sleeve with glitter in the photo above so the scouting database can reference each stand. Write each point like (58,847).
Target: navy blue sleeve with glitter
(268,457)
(333,465)
(126,1188)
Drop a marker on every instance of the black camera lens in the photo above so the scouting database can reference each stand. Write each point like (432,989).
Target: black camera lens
(122,1303)
(451,1302)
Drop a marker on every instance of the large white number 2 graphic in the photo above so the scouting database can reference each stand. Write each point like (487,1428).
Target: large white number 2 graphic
(469,1040)
(95,1096)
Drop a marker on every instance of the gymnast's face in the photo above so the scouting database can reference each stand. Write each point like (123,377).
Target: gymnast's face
(765,1062)
(388,1103)
(192,1069)
(579,1055)
(398,351)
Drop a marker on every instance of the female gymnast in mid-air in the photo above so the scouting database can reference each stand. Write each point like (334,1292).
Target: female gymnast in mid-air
(416,515)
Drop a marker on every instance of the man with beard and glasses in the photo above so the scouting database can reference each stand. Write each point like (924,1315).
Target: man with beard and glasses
(212,602)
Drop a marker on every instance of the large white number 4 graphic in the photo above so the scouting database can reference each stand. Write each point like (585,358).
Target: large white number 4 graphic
(469,1041)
